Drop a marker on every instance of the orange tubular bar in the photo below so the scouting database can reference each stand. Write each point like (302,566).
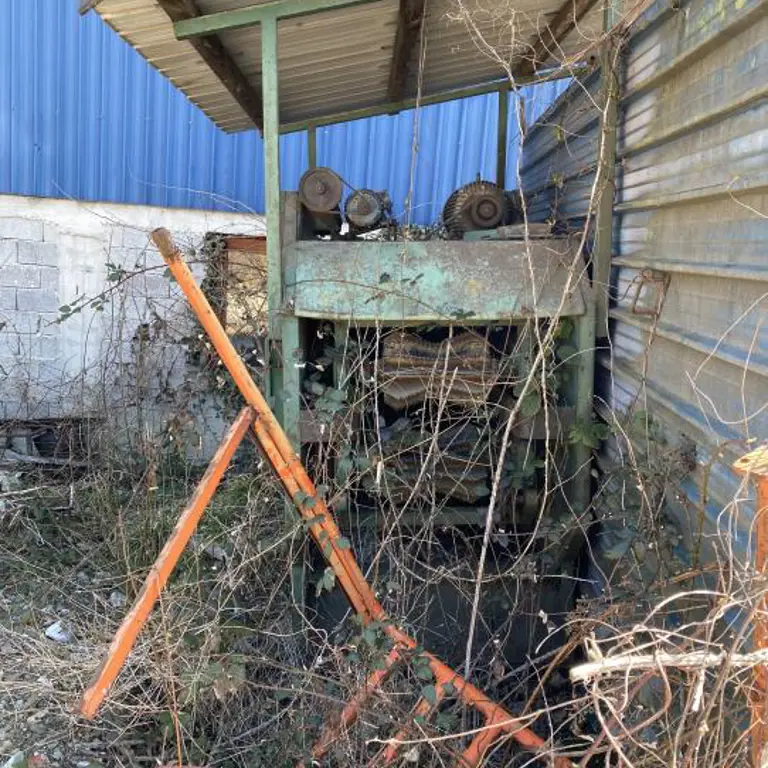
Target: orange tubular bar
(324,530)
(422,709)
(126,635)
(352,709)
(755,466)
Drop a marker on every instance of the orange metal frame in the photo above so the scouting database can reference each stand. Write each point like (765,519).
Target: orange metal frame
(323,528)
(754,465)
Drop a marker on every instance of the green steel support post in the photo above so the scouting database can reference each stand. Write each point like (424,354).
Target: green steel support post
(594,323)
(584,406)
(272,172)
(312,146)
(603,247)
(283,329)
(501,141)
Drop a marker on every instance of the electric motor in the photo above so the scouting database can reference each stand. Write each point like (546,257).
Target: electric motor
(479,205)
(366,210)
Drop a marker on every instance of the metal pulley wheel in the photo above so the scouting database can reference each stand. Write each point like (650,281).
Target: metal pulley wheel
(320,190)
(366,209)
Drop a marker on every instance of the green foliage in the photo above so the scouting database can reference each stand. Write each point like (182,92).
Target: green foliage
(588,434)
(326,582)
(422,669)
(530,405)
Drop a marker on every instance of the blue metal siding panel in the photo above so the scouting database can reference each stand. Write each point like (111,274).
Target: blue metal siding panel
(82,115)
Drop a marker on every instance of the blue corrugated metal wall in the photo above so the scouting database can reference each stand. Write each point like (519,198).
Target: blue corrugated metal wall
(82,115)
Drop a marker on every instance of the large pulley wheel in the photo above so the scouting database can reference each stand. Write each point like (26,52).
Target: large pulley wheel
(320,190)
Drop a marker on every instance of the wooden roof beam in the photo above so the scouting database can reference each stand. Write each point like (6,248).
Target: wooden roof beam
(406,41)
(218,59)
(551,37)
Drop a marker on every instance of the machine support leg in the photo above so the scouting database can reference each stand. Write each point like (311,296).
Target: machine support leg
(601,275)
(312,146)
(501,141)
(585,390)
(272,172)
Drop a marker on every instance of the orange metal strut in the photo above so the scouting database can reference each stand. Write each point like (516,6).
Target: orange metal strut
(754,465)
(273,439)
(323,529)
(126,635)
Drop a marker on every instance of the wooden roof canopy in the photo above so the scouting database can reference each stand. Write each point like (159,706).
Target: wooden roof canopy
(342,60)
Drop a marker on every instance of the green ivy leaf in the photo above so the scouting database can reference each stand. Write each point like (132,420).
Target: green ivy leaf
(530,405)
(430,694)
(327,582)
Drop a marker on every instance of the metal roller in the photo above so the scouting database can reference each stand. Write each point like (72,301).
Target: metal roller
(320,190)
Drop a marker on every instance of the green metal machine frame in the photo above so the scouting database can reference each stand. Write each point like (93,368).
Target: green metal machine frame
(475,267)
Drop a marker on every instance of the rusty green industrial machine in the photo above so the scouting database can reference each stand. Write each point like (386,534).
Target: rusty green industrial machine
(397,363)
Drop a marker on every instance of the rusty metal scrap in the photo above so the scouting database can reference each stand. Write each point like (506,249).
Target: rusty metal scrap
(411,369)
(322,527)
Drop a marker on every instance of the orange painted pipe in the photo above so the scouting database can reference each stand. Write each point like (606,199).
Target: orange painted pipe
(423,708)
(126,635)
(754,466)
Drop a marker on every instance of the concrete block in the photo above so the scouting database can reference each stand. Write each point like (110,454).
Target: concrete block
(39,347)
(156,285)
(20,276)
(133,237)
(37,300)
(9,342)
(46,254)
(49,277)
(13,410)
(21,229)
(8,298)
(32,322)
(9,367)
(8,252)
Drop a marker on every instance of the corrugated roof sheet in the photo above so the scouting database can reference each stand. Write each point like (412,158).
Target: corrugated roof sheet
(339,60)
(82,115)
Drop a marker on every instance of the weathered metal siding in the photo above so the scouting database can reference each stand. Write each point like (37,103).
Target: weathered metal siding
(82,115)
(691,203)
(559,154)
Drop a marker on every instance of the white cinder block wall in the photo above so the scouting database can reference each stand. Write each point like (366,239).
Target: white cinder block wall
(53,253)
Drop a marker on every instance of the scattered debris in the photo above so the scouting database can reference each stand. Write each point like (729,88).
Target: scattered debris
(59,632)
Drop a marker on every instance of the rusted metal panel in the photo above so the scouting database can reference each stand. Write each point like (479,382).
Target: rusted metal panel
(690,208)
(352,72)
(436,280)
